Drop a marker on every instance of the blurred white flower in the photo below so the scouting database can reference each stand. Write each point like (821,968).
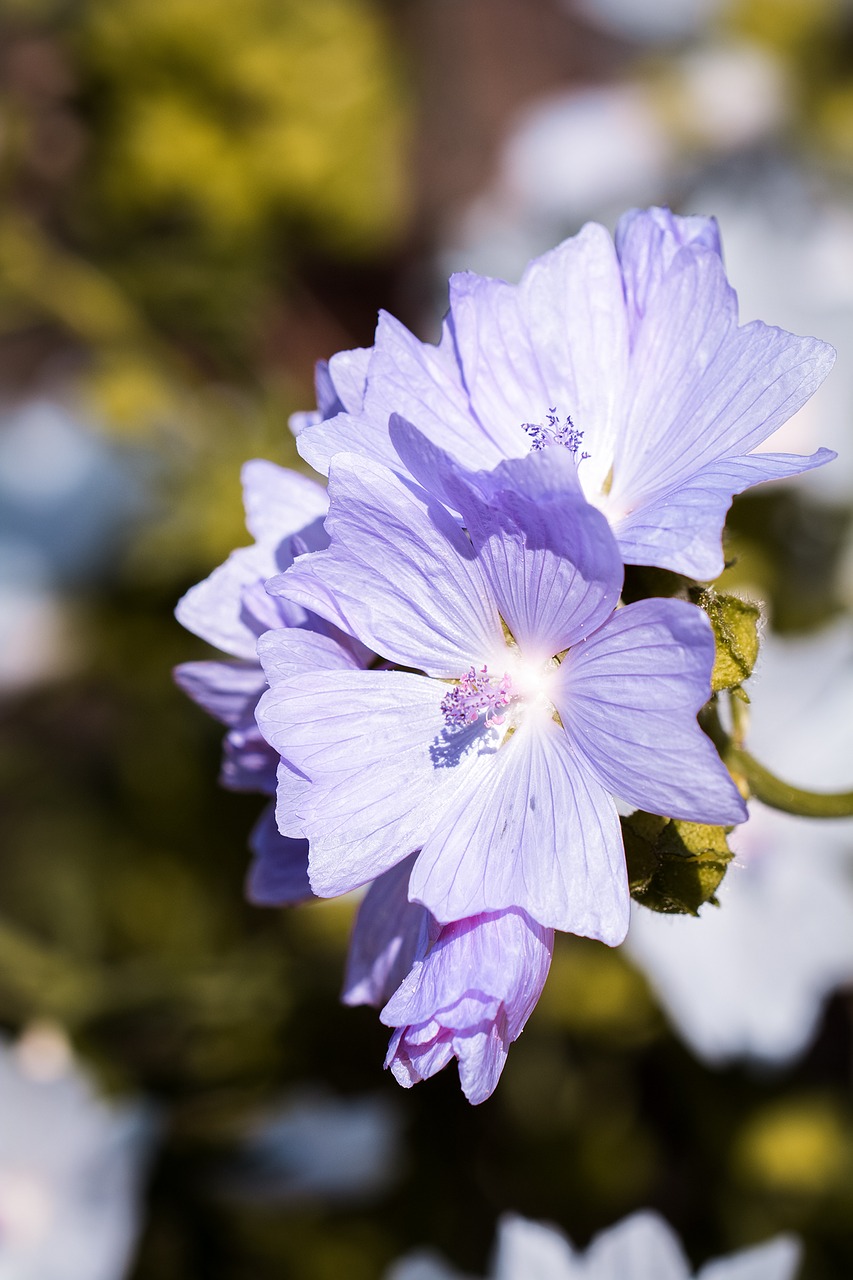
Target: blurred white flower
(659,23)
(592,152)
(749,978)
(642,1247)
(586,153)
(319,1147)
(64,490)
(728,95)
(586,150)
(71,1165)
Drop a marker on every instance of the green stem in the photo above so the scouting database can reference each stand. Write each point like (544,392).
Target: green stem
(765,786)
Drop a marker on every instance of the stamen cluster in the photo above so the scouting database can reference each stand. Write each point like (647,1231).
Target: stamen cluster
(476,692)
(555,432)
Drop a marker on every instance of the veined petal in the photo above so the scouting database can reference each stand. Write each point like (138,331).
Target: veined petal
(683,529)
(531,830)
(372,745)
(559,339)
(646,241)
(499,958)
(424,384)
(550,560)
(278,502)
(473,991)
(278,875)
(286,653)
(214,610)
(230,608)
(419,381)
(389,935)
(227,691)
(548,556)
(628,698)
(400,574)
(701,388)
(348,373)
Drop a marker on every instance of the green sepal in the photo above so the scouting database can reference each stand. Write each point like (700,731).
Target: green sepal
(735,624)
(674,866)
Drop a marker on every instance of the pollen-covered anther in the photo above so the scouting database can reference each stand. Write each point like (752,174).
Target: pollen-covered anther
(553,431)
(475,693)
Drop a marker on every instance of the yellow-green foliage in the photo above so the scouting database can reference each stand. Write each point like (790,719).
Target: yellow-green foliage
(231,114)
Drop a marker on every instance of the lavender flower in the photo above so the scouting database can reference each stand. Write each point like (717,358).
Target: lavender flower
(574,702)
(468,998)
(637,346)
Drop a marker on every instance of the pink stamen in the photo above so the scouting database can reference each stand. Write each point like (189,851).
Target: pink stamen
(475,693)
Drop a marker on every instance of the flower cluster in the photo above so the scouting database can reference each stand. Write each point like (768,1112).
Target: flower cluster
(432,665)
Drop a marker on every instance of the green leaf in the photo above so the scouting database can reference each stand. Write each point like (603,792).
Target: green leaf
(735,624)
(674,866)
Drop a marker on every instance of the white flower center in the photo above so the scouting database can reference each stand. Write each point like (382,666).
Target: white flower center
(501,699)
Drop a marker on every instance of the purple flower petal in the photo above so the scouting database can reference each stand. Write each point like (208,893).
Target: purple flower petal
(368,743)
(628,698)
(530,830)
(248,761)
(399,574)
(279,503)
(631,355)
(419,381)
(348,375)
(278,875)
(545,344)
(228,691)
(469,997)
(683,532)
(647,240)
(389,934)
(700,387)
(230,609)
(549,558)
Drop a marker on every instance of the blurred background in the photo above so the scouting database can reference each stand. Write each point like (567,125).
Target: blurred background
(198,200)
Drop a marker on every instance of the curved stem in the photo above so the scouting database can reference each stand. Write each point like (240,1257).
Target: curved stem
(765,786)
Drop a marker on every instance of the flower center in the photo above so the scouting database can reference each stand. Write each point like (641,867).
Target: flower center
(475,693)
(554,431)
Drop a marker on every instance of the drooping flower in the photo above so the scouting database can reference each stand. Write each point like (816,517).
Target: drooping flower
(642,1247)
(750,978)
(626,356)
(71,1167)
(514,621)
(469,998)
(464,990)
